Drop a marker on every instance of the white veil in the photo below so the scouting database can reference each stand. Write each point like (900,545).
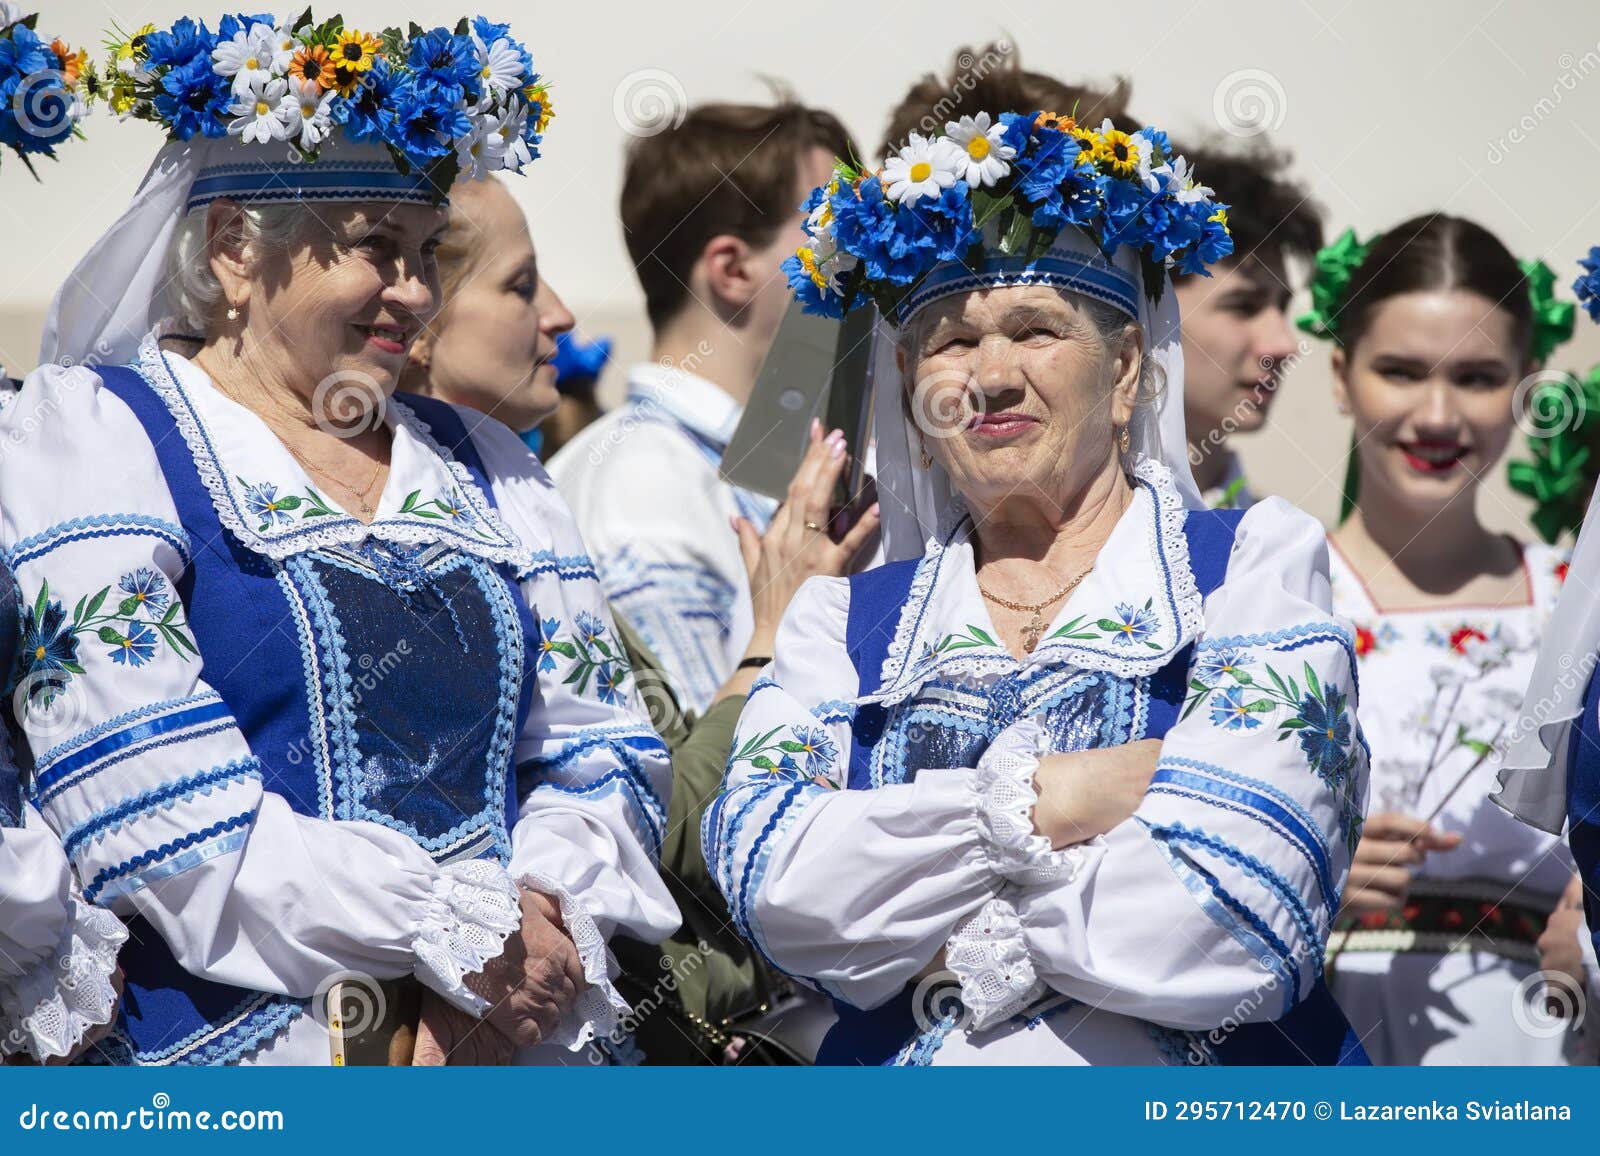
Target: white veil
(1533,782)
(912,499)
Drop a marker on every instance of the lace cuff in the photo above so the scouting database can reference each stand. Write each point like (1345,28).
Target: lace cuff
(1006,799)
(47,1012)
(600,1004)
(475,905)
(989,956)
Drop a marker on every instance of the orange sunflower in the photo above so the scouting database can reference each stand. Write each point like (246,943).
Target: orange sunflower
(312,63)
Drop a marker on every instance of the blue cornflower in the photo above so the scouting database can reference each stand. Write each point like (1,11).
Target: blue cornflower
(1049,162)
(366,114)
(820,749)
(137,647)
(608,682)
(1587,287)
(1215,665)
(183,43)
(1326,733)
(24,53)
(148,588)
(425,119)
(548,629)
(590,627)
(48,645)
(194,99)
(1133,624)
(446,61)
(1230,711)
(262,500)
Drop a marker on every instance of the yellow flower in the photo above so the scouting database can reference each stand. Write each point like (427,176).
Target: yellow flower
(538,93)
(808,262)
(1056,121)
(133,47)
(1220,217)
(122,98)
(312,64)
(1118,152)
(354,51)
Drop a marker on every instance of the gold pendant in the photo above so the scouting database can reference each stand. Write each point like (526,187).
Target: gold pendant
(1031,632)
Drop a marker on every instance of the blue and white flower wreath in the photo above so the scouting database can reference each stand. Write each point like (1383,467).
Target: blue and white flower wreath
(1012,185)
(466,102)
(45,87)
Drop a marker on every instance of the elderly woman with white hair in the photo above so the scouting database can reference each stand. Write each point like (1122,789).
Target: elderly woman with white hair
(1081,758)
(332,713)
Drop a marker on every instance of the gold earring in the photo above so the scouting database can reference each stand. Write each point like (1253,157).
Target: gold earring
(1124,439)
(233,313)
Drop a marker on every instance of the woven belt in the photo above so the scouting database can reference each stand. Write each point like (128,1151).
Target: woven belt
(1444,920)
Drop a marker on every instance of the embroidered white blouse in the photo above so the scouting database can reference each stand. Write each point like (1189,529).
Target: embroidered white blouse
(244,889)
(1441,689)
(1211,904)
(643,484)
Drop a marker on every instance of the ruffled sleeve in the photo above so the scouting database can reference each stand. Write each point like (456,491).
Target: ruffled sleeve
(594,779)
(140,768)
(855,891)
(1214,901)
(58,954)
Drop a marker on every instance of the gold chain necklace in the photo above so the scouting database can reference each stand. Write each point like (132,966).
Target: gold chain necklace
(1036,624)
(359,495)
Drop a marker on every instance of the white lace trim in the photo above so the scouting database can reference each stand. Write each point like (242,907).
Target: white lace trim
(989,955)
(47,1012)
(1006,798)
(600,1005)
(394,527)
(475,905)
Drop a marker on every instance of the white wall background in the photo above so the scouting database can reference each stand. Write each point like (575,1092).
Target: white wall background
(1485,109)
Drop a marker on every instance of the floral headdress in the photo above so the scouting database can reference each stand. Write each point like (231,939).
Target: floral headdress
(989,199)
(443,103)
(1336,266)
(45,87)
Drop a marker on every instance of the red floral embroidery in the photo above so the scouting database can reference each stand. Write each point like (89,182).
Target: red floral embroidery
(1463,635)
(1366,642)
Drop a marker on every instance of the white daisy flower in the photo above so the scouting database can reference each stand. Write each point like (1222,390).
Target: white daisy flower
(499,66)
(483,150)
(284,45)
(983,150)
(1179,178)
(509,127)
(923,168)
(257,113)
(307,112)
(247,58)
